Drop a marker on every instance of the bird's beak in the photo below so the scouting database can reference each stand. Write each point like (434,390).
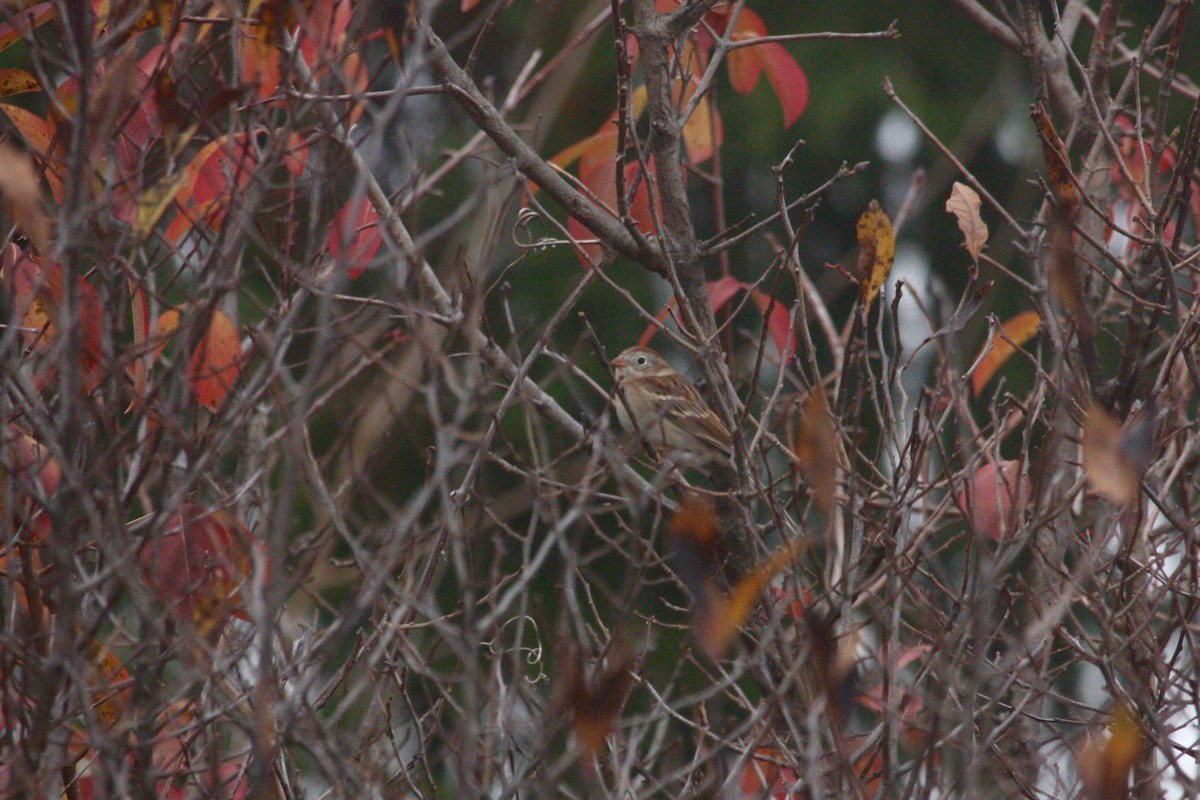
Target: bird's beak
(618,362)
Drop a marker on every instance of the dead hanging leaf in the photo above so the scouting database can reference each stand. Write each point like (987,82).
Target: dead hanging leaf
(1062,273)
(964,204)
(1108,458)
(21,192)
(1106,760)
(816,450)
(595,705)
(1013,333)
(877,251)
(1058,162)
(717,620)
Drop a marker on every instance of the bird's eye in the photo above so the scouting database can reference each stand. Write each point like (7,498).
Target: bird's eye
(641,361)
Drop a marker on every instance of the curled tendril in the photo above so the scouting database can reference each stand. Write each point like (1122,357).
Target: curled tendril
(532,654)
(522,234)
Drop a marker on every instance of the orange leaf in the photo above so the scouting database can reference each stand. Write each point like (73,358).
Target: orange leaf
(877,251)
(718,620)
(764,773)
(38,133)
(1058,162)
(354,235)
(1106,760)
(216,361)
(1107,461)
(168,323)
(260,66)
(1017,330)
(109,682)
(964,204)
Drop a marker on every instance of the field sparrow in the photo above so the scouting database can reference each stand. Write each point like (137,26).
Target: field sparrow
(668,411)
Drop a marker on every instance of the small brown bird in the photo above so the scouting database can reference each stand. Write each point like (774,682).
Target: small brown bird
(669,412)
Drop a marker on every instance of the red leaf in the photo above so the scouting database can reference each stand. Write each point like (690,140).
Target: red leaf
(746,65)
(354,235)
(722,290)
(763,773)
(778,321)
(787,79)
(197,566)
(36,286)
(991,495)
(216,361)
(27,472)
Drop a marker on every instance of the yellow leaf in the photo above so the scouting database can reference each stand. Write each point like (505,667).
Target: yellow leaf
(964,204)
(1106,760)
(154,201)
(877,250)
(1017,330)
(17,81)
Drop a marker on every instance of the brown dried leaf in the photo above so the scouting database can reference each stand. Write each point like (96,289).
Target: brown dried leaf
(1058,162)
(1062,270)
(595,705)
(1016,331)
(877,251)
(1106,462)
(21,193)
(964,204)
(816,449)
